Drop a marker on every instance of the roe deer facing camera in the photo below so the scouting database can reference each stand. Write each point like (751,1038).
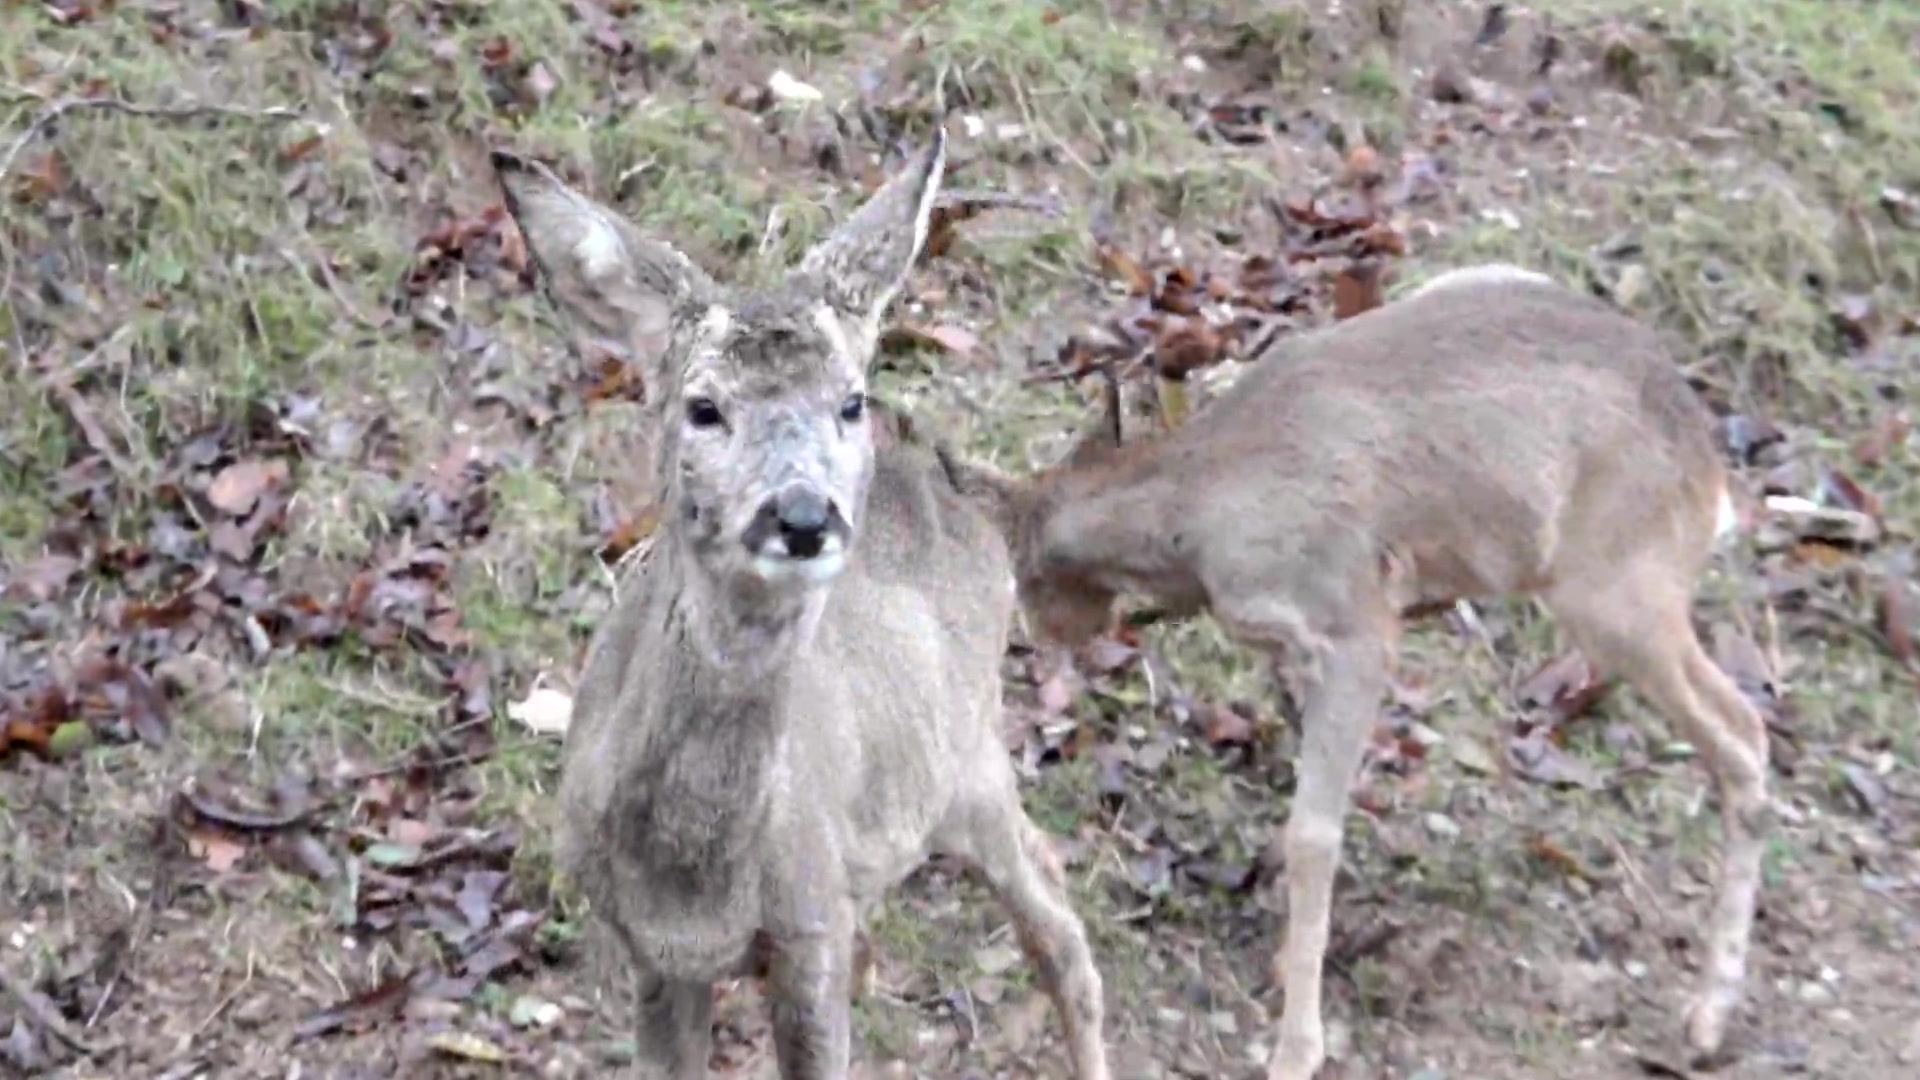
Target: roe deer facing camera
(1492,434)
(796,695)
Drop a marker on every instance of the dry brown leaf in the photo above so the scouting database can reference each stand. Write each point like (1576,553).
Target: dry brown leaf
(240,485)
(44,578)
(1186,345)
(39,178)
(630,532)
(1537,757)
(1123,268)
(1357,289)
(301,149)
(220,852)
(1363,168)
(1559,858)
(1896,617)
(1566,685)
(1225,726)
(956,340)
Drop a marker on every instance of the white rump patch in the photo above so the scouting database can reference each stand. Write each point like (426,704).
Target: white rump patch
(1484,274)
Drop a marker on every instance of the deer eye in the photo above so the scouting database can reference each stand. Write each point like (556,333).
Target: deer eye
(854,407)
(703,413)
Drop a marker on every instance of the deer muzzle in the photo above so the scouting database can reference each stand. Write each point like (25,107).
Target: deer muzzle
(798,534)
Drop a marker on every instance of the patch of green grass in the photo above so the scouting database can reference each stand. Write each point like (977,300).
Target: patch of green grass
(673,165)
(1066,68)
(327,707)
(1374,79)
(194,254)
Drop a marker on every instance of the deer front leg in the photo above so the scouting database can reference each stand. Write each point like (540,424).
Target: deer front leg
(1340,705)
(674,1035)
(811,980)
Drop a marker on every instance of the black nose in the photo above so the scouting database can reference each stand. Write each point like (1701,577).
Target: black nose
(803,514)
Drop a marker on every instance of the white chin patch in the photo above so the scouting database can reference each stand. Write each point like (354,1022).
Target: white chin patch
(822,568)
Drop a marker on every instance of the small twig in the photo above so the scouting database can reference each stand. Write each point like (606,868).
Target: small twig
(53,109)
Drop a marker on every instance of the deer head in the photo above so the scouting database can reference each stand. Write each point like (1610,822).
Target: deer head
(1065,607)
(759,397)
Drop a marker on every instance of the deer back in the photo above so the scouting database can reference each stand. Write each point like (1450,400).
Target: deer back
(1488,434)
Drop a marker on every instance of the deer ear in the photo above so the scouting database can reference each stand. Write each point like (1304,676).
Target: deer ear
(615,286)
(1107,434)
(865,261)
(987,487)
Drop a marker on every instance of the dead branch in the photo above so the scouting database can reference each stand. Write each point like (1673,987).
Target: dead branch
(53,109)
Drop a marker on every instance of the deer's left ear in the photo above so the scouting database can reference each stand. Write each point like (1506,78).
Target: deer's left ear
(865,261)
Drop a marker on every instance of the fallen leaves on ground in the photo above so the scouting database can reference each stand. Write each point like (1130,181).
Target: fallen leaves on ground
(1536,755)
(1179,316)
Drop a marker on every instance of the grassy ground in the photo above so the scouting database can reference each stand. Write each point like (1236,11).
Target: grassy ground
(287,441)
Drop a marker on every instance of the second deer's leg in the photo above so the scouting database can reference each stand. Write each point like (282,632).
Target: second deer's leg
(1019,865)
(1638,626)
(1341,701)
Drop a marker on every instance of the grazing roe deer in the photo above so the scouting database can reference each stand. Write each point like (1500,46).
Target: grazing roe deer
(796,696)
(1491,434)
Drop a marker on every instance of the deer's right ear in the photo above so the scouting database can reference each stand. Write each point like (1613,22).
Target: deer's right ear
(987,487)
(614,285)
(866,260)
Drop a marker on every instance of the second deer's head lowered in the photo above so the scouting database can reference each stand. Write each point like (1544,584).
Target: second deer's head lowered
(763,456)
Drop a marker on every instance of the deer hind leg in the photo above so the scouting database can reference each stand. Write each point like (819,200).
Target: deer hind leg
(1019,865)
(1341,700)
(1637,626)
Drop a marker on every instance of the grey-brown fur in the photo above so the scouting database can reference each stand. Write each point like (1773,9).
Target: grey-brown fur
(1492,434)
(771,729)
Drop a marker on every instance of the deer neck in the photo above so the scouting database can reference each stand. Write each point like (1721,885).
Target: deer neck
(745,633)
(1115,527)
(696,791)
